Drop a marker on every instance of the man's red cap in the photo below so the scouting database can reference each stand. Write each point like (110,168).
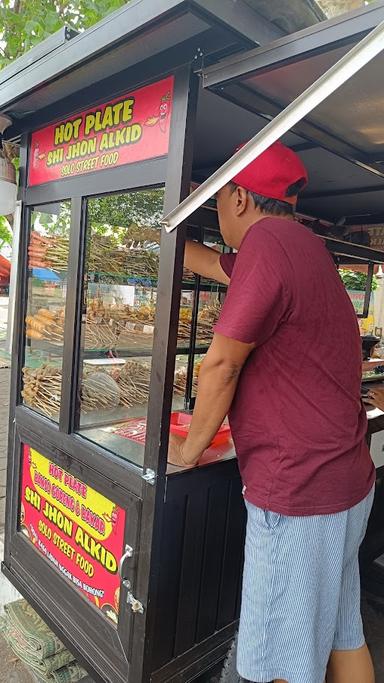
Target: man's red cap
(272,173)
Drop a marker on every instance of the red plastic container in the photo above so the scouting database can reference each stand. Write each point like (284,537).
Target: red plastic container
(180,423)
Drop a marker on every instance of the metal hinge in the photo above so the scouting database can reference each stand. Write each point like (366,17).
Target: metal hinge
(137,607)
(150,477)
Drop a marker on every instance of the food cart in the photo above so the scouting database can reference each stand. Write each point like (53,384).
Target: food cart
(136,565)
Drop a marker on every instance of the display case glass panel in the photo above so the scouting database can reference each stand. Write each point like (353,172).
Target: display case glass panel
(360,285)
(118,317)
(48,253)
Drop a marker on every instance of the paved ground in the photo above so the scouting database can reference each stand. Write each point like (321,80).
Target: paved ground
(11,670)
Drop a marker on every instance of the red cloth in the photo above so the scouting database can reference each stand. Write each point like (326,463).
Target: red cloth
(5,270)
(297,419)
(5,266)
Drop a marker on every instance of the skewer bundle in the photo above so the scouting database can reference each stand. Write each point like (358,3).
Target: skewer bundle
(47,325)
(99,391)
(144,314)
(42,389)
(129,261)
(58,253)
(105,256)
(99,335)
(185,322)
(141,263)
(133,382)
(132,259)
(206,320)
(37,250)
(188,275)
(48,252)
(180,382)
(108,326)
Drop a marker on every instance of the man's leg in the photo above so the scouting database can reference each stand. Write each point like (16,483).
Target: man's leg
(351,666)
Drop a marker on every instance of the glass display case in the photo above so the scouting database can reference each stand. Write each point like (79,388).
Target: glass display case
(119,297)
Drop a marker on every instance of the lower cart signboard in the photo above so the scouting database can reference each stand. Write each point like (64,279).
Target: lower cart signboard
(76,528)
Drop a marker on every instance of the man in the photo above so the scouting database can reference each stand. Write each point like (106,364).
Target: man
(285,363)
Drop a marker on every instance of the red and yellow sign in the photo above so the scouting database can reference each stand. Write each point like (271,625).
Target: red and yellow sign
(76,528)
(131,128)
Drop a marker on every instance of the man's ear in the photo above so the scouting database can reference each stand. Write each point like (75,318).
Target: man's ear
(241,199)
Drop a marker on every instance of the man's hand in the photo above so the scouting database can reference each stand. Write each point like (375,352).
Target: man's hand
(376,398)
(175,452)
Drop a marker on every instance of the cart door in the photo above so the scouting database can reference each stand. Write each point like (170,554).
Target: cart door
(88,389)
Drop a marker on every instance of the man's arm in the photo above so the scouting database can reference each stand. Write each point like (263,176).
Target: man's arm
(218,378)
(204,261)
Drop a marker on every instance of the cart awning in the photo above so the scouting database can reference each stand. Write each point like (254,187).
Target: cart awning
(347,125)
(54,76)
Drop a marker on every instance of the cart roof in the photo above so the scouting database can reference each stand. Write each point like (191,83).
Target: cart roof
(69,66)
(342,141)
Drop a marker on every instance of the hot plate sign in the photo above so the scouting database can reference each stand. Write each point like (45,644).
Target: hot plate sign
(130,128)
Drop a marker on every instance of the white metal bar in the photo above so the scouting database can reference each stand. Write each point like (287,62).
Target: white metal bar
(331,80)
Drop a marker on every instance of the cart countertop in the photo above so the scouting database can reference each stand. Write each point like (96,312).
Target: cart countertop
(212,455)
(227,451)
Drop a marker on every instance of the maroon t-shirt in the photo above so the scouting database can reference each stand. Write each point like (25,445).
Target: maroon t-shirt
(297,420)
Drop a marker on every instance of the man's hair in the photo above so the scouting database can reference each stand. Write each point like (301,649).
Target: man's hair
(275,207)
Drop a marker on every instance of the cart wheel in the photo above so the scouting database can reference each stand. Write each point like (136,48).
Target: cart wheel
(229,672)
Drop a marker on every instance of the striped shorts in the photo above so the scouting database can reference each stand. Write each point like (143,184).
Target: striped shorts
(301,593)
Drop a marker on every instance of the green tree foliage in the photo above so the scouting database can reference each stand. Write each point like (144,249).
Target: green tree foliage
(132,216)
(126,218)
(355,280)
(5,232)
(24,23)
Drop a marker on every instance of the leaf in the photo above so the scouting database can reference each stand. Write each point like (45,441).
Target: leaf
(355,280)
(25,23)
(5,231)
(36,19)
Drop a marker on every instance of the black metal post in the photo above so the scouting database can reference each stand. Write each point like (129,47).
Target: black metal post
(368,290)
(17,356)
(73,316)
(163,363)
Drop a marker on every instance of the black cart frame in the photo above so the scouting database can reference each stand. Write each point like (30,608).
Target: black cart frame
(184,532)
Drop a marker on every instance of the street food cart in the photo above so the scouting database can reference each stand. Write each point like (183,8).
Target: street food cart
(136,565)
